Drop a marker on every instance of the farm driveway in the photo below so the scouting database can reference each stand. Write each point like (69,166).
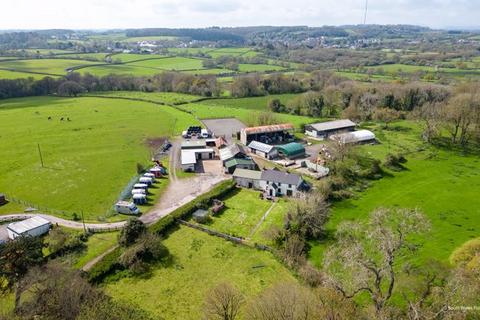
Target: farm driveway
(224,127)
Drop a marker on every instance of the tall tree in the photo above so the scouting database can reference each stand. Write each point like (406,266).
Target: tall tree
(223,302)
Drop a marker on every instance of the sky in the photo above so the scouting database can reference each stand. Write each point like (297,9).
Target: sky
(108,14)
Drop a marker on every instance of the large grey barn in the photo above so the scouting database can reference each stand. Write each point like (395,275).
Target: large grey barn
(323,130)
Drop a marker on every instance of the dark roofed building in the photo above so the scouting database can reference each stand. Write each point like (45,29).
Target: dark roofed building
(291,150)
(235,163)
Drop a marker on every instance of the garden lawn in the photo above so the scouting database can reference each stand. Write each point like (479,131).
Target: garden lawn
(275,218)
(199,262)
(243,210)
(88,160)
(443,184)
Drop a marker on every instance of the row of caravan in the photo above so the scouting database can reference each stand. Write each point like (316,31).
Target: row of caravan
(140,191)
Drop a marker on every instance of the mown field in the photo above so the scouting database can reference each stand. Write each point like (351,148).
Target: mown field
(200,261)
(443,184)
(7,74)
(160,97)
(255,103)
(88,160)
(46,66)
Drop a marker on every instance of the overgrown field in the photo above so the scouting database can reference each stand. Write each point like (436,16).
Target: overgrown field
(200,261)
(443,184)
(88,160)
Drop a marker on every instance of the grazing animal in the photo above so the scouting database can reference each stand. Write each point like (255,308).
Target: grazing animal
(68,119)
(49,118)
(61,119)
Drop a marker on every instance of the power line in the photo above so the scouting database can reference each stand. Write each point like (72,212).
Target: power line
(365,14)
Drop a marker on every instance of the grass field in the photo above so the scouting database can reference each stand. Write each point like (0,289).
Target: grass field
(245,67)
(97,244)
(256,103)
(161,97)
(243,210)
(175,63)
(199,262)
(89,160)
(248,116)
(7,74)
(47,66)
(127,57)
(443,184)
(126,69)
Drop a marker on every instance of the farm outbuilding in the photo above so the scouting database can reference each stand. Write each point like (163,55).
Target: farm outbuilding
(190,157)
(233,151)
(34,226)
(360,136)
(323,130)
(267,134)
(291,150)
(247,178)
(235,163)
(193,144)
(263,150)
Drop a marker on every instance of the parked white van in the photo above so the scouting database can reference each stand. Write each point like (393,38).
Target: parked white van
(139,199)
(126,207)
(146,180)
(140,186)
(138,191)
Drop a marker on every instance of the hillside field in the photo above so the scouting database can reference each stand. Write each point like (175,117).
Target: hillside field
(88,160)
(444,185)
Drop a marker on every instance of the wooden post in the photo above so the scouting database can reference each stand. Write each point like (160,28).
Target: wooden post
(83,221)
(40,154)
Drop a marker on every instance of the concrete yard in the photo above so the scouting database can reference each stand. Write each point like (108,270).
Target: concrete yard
(224,127)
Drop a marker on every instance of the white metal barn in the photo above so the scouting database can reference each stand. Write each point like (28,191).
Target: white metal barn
(190,157)
(360,136)
(34,227)
(262,149)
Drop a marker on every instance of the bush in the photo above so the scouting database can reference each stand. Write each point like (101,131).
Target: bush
(104,267)
(59,242)
(395,161)
(131,232)
(147,249)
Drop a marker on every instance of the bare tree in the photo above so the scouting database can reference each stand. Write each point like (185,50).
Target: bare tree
(365,255)
(223,302)
(308,215)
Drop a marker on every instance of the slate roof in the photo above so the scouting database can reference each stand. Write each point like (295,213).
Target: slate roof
(235,161)
(333,125)
(277,176)
(263,147)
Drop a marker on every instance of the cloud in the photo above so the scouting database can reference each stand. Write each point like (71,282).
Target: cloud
(91,14)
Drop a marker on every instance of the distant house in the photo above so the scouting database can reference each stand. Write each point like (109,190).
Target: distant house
(247,178)
(360,136)
(323,130)
(263,150)
(32,227)
(236,163)
(291,150)
(233,151)
(279,183)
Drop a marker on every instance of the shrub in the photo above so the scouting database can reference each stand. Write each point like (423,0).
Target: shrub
(131,232)
(395,161)
(105,266)
(59,242)
(147,249)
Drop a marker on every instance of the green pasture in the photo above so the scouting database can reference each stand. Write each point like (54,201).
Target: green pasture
(199,262)
(174,63)
(247,116)
(128,57)
(89,160)
(47,66)
(96,244)
(246,67)
(100,57)
(7,74)
(443,184)
(160,97)
(126,69)
(255,103)
(214,71)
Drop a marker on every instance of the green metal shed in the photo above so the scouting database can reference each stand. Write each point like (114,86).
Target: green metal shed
(291,150)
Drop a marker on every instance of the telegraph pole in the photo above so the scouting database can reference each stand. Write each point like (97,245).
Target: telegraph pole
(365,14)
(83,221)
(40,154)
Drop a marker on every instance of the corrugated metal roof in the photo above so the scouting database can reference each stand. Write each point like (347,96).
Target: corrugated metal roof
(231,151)
(28,224)
(270,128)
(235,161)
(248,174)
(354,136)
(277,176)
(333,125)
(263,147)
